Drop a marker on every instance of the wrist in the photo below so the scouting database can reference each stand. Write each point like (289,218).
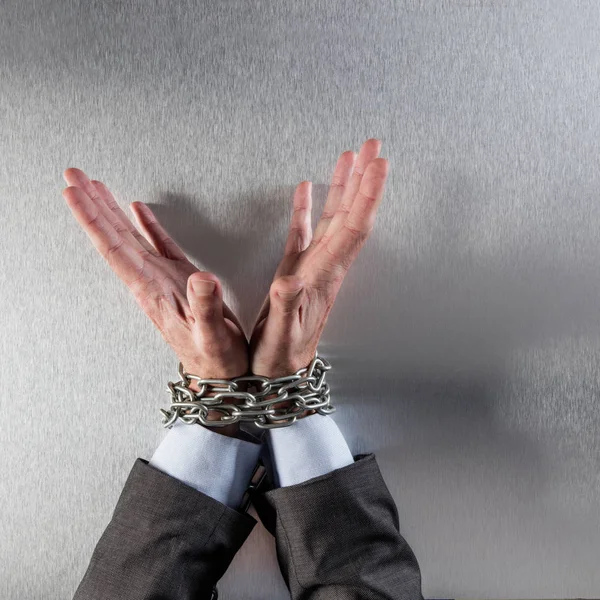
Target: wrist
(285,404)
(227,430)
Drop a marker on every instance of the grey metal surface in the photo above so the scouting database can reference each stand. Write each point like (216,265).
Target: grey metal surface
(477,300)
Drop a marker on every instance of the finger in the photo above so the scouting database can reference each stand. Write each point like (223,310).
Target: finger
(368,152)
(339,181)
(285,297)
(285,313)
(124,260)
(282,325)
(205,298)
(155,232)
(341,250)
(300,231)
(77,178)
(113,205)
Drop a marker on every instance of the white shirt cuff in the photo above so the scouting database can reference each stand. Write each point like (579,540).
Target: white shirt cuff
(214,464)
(311,447)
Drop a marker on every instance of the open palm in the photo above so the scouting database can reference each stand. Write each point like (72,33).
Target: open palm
(311,272)
(185,304)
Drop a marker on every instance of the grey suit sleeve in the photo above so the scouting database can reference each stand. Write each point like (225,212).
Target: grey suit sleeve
(338,538)
(165,541)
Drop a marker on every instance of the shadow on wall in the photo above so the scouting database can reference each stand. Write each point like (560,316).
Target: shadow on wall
(245,255)
(422,331)
(439,308)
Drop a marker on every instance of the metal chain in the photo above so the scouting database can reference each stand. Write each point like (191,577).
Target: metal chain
(295,394)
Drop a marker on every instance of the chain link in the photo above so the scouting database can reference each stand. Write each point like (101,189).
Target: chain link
(276,402)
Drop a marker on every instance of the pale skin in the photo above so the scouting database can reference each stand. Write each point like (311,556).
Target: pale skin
(186,304)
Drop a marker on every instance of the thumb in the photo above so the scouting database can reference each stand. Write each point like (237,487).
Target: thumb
(282,329)
(286,295)
(205,297)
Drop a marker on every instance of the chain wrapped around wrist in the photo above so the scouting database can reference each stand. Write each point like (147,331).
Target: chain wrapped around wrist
(276,402)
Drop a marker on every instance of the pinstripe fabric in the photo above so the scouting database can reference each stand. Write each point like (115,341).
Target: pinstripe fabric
(165,541)
(338,538)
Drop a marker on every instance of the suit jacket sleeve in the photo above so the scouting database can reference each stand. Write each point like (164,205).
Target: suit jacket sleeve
(338,538)
(165,541)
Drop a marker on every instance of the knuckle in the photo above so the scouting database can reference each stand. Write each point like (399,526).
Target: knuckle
(299,209)
(357,234)
(354,231)
(296,241)
(92,221)
(119,227)
(274,293)
(367,198)
(338,182)
(112,250)
(297,230)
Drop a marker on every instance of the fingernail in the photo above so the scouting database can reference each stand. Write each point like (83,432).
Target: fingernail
(203,287)
(289,295)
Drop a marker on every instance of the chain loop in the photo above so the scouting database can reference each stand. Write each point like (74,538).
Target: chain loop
(304,390)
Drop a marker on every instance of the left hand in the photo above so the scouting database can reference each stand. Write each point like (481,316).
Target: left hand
(185,304)
(311,272)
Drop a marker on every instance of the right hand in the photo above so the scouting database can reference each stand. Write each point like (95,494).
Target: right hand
(185,304)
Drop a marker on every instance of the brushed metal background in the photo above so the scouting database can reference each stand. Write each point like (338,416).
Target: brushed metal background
(466,337)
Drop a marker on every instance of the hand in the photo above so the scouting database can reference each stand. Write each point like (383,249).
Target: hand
(185,304)
(311,272)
